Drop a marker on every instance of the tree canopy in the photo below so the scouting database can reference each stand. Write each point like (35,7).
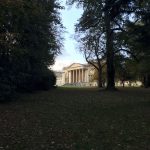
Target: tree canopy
(110,17)
(30,39)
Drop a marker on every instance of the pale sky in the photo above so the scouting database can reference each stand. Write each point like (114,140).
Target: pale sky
(70,54)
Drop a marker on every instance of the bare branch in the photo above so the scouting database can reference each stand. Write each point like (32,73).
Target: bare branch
(129,52)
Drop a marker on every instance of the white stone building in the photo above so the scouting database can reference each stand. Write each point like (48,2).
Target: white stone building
(82,75)
(76,75)
(59,78)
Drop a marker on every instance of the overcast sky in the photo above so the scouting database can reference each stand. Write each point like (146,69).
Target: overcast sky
(70,54)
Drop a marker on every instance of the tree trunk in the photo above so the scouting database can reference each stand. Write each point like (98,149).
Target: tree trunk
(110,54)
(123,83)
(100,78)
(146,80)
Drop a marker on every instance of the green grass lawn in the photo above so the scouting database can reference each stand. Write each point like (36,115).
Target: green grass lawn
(77,119)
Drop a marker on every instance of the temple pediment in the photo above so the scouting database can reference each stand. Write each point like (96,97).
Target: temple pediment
(75,65)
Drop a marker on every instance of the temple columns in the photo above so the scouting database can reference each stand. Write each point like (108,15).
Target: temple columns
(73,76)
(82,75)
(77,75)
(69,76)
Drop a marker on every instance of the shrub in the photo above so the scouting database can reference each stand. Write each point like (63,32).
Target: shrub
(6,92)
(42,80)
(24,82)
(46,80)
(10,82)
(7,88)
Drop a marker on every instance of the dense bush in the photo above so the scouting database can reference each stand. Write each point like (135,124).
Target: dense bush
(35,81)
(30,39)
(24,82)
(7,88)
(6,91)
(47,81)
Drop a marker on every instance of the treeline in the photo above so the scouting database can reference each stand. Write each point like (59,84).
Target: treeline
(114,37)
(30,38)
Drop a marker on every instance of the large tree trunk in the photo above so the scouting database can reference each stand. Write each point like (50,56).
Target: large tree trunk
(146,80)
(110,54)
(100,85)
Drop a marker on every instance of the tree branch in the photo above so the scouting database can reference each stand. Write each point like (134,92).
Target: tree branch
(129,52)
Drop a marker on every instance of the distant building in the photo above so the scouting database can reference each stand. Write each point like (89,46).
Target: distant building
(59,78)
(82,75)
(76,75)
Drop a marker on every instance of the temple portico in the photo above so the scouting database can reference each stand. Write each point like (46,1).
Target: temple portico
(77,75)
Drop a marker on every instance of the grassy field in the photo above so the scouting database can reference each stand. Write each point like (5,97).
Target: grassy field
(77,119)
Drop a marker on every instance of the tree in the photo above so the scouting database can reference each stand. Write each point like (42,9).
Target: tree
(109,16)
(136,40)
(93,50)
(30,39)
(126,69)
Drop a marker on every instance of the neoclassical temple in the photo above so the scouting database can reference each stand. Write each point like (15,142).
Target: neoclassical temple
(83,75)
(77,74)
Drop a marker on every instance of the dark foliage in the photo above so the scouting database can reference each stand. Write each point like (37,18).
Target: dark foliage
(29,41)
(7,89)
